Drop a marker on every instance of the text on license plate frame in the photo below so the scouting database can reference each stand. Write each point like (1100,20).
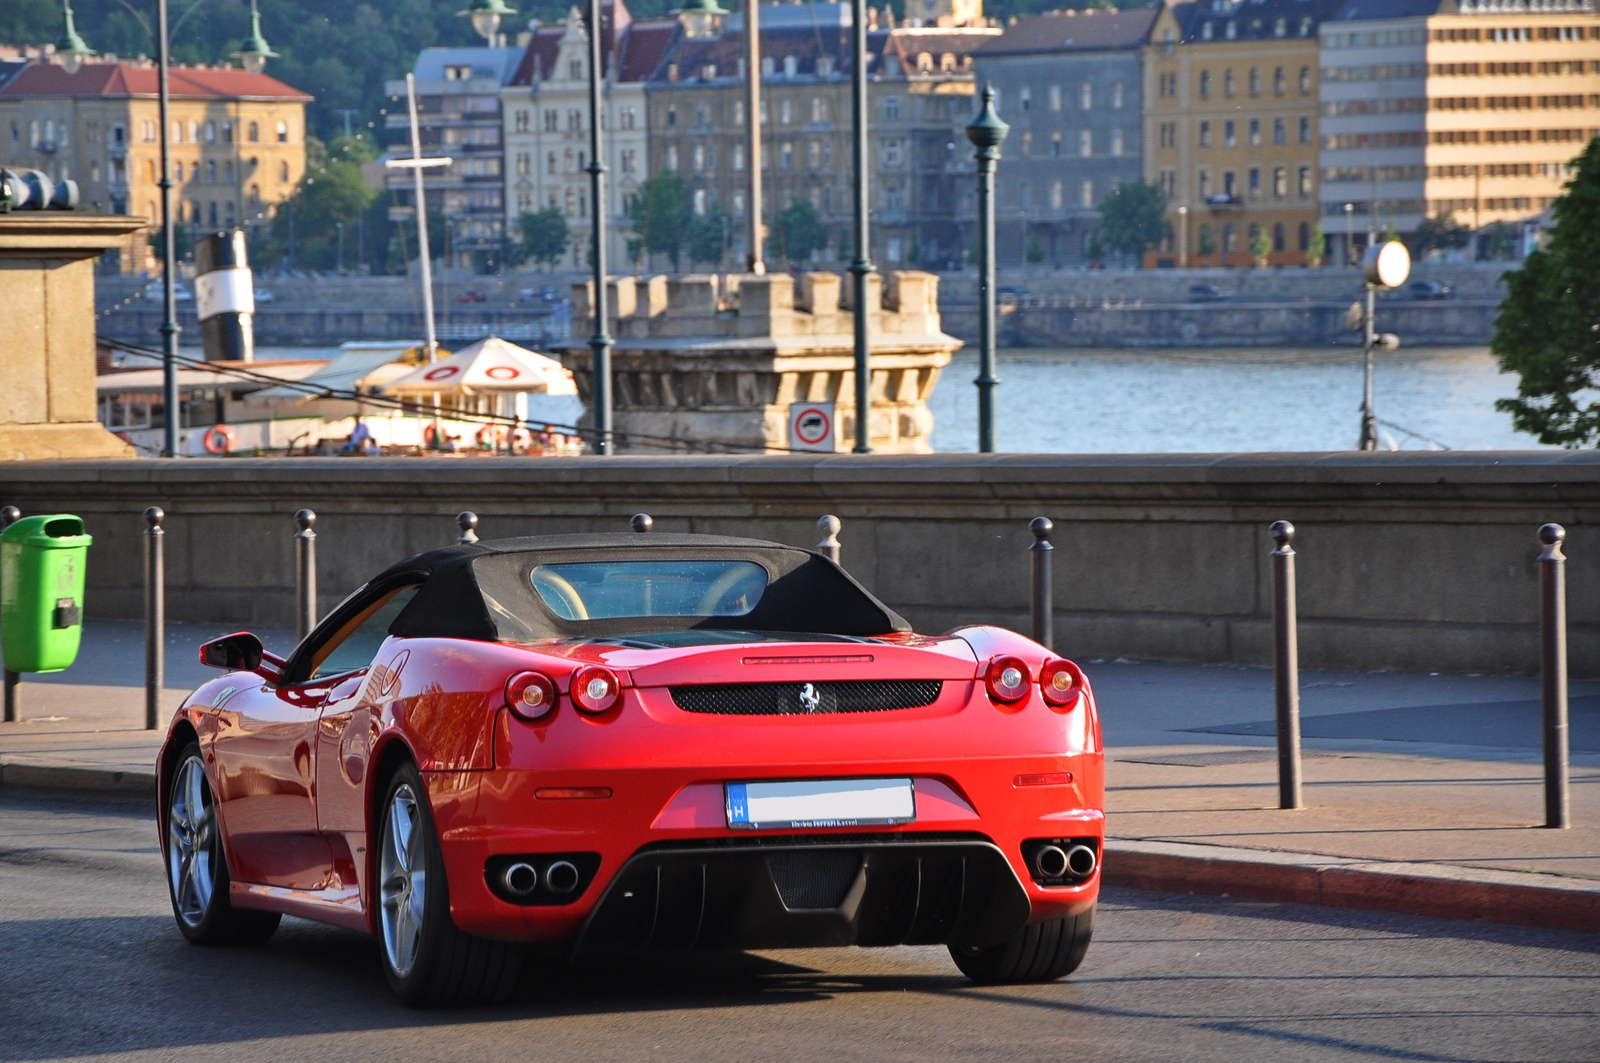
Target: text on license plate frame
(796,803)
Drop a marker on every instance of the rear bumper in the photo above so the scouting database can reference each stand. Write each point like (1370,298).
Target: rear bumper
(670,875)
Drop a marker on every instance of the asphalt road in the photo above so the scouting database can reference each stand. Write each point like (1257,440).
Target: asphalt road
(91,965)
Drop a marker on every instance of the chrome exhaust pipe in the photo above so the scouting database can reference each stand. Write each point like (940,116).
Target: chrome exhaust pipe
(561,877)
(1081,861)
(1051,862)
(520,878)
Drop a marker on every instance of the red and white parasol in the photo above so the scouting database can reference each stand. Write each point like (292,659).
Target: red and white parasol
(490,366)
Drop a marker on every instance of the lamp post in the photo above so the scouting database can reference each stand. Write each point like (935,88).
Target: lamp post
(1183,237)
(486,16)
(71,49)
(169,245)
(255,53)
(600,340)
(1385,265)
(861,265)
(1349,233)
(754,259)
(986,132)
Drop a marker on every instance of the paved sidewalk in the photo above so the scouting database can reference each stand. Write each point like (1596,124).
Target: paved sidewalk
(1423,793)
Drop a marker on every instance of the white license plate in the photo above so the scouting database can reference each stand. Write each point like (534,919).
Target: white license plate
(820,803)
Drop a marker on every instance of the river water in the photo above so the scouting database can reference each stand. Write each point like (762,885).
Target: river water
(1209,401)
(1093,401)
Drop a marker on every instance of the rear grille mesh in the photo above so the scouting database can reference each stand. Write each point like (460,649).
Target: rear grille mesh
(801,699)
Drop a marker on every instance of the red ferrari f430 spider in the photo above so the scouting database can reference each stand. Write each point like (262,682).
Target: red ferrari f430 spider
(636,743)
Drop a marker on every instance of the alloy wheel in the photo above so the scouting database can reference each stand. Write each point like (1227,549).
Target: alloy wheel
(192,843)
(403,875)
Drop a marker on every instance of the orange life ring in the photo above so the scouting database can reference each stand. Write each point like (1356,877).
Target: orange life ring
(219,439)
(491,435)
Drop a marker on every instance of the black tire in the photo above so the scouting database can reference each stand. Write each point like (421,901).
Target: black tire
(440,966)
(197,870)
(1039,953)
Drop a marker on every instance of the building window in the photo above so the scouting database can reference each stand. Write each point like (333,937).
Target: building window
(1230,239)
(1255,181)
(1205,134)
(1116,142)
(1086,195)
(524,164)
(1278,243)
(791,66)
(1255,82)
(1086,96)
(550,163)
(1057,197)
(1280,132)
(699,157)
(738,157)
(1277,81)
(1085,143)
(211,213)
(785,112)
(1305,80)
(1227,82)
(1305,237)
(700,200)
(891,109)
(1230,138)
(1027,143)
(551,121)
(814,155)
(1025,97)
(786,155)
(1116,96)
(1280,182)
(211,132)
(1205,82)
(227,173)
(1203,183)
(283,171)
(1305,130)
(819,109)
(1055,145)
(1255,132)
(672,112)
(522,121)
(672,156)
(1229,185)
(1055,97)
(227,132)
(1304,183)
(211,173)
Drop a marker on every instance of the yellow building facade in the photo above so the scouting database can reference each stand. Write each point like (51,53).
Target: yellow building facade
(1231,129)
(237,142)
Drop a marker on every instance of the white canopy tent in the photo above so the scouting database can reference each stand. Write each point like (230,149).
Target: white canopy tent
(487,369)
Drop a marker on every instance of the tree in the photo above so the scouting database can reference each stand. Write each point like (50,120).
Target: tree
(1261,246)
(1502,244)
(1548,328)
(800,232)
(1035,251)
(1440,233)
(661,211)
(708,236)
(544,235)
(1208,241)
(1317,248)
(331,193)
(1130,217)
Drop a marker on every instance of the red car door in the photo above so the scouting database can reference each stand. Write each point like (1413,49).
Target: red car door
(265,751)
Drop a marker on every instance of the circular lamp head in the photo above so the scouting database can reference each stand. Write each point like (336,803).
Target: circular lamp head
(72,50)
(987,130)
(486,16)
(1386,265)
(255,53)
(699,17)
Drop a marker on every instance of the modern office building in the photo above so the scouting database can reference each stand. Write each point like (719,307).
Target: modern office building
(458,117)
(238,141)
(1231,107)
(1071,86)
(545,112)
(1473,110)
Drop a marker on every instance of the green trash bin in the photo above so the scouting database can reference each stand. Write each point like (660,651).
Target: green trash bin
(41,592)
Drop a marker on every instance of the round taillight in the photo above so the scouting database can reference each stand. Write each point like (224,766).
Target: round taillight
(530,695)
(595,689)
(1061,682)
(1007,679)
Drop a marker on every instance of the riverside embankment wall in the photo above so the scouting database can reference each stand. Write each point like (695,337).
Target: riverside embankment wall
(1407,561)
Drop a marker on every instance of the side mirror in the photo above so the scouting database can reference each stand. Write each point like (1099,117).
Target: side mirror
(239,652)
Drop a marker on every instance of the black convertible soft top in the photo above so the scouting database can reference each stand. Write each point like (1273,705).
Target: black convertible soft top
(482,590)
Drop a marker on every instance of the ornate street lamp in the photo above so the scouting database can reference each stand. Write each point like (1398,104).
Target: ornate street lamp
(700,16)
(600,339)
(861,265)
(1385,265)
(986,132)
(486,16)
(169,246)
(255,53)
(71,49)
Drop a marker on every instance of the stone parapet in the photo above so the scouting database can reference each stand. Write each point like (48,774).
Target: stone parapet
(708,361)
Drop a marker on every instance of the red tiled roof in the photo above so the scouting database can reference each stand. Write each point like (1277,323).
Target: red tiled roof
(646,42)
(130,79)
(540,55)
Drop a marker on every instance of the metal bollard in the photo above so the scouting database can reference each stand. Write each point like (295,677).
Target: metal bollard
(467,521)
(1286,665)
(9,515)
(829,525)
(1041,605)
(641,523)
(155,615)
(1553,673)
(305,617)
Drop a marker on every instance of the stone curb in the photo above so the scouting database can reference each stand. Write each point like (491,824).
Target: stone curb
(1440,891)
(77,781)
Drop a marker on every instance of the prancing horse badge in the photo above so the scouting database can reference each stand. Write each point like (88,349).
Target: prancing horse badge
(809,700)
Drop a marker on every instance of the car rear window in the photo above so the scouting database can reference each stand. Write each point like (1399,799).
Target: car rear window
(608,590)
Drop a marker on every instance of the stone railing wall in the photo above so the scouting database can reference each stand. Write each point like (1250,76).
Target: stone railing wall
(1409,561)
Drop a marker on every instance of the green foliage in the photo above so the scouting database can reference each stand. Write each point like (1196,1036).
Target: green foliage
(1095,249)
(1261,245)
(1440,233)
(800,231)
(1317,247)
(709,236)
(1390,235)
(1208,240)
(1035,251)
(330,193)
(544,236)
(1130,217)
(1502,241)
(1548,328)
(661,211)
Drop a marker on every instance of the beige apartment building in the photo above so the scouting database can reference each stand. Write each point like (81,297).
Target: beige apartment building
(1468,108)
(238,141)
